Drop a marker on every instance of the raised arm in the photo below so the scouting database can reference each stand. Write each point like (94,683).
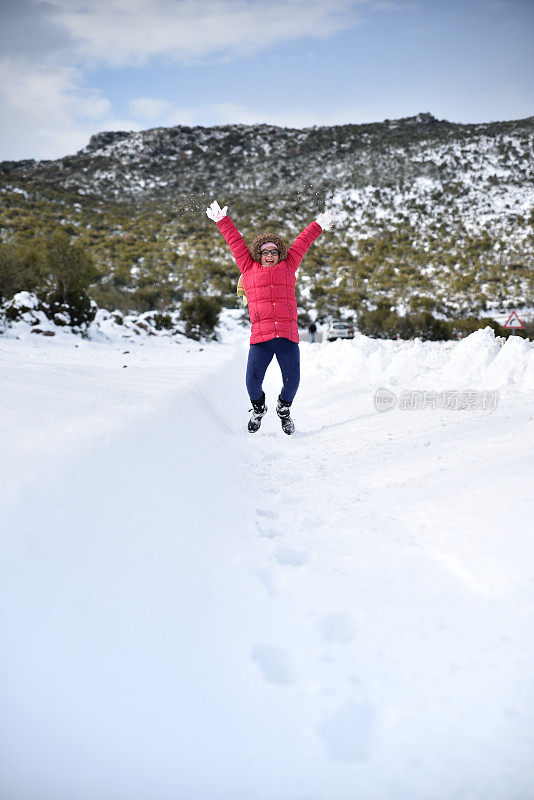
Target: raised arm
(304,240)
(233,238)
(300,246)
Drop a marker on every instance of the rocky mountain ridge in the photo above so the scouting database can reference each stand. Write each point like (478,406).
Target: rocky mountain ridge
(162,162)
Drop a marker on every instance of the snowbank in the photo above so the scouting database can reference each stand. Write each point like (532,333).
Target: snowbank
(481,361)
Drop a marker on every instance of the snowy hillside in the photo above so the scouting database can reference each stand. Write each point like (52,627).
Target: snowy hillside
(166,162)
(189,611)
(430,215)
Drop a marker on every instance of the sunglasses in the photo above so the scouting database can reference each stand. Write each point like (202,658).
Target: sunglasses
(269,252)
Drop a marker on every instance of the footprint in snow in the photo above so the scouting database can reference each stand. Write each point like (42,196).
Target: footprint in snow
(266,527)
(274,664)
(338,627)
(265,576)
(293,558)
(268,533)
(347,735)
(264,512)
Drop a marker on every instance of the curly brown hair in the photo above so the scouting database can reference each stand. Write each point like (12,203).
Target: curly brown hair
(262,239)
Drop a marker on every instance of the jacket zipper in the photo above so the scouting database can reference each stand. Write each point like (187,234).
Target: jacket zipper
(273,301)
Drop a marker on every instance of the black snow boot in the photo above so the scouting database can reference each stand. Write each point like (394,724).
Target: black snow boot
(282,409)
(259,409)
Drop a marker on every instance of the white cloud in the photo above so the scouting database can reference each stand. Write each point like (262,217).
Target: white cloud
(155,112)
(127,32)
(46,111)
(150,107)
(45,105)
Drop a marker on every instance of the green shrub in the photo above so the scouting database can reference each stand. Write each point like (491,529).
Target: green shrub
(381,323)
(201,315)
(75,309)
(70,270)
(70,267)
(21,267)
(385,324)
(14,311)
(426,326)
(162,322)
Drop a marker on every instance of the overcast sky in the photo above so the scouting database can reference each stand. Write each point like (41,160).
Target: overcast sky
(71,68)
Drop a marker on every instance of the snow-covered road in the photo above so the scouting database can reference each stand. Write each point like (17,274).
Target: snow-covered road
(187,610)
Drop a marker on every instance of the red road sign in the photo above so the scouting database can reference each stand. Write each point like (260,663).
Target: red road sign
(513,321)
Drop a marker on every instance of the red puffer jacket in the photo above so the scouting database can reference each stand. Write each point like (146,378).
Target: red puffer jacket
(270,290)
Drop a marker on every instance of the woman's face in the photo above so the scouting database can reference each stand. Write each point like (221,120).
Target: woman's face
(270,257)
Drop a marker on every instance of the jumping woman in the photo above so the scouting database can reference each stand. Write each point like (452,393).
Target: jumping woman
(268,275)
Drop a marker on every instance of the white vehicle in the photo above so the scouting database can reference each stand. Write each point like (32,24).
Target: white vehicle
(340,330)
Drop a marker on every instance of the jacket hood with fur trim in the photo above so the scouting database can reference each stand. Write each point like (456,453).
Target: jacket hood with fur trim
(262,239)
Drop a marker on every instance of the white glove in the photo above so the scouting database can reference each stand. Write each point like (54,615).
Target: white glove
(325,220)
(215,212)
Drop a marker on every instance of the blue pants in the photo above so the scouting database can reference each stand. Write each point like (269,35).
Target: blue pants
(260,356)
